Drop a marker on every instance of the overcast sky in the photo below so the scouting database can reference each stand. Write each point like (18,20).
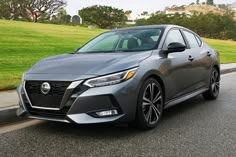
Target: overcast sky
(136,6)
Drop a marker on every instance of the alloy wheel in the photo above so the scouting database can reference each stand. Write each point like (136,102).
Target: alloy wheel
(215,82)
(152,103)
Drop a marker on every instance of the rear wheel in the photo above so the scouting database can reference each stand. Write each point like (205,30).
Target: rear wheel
(150,104)
(214,86)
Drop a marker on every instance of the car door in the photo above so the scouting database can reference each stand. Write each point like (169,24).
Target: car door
(201,62)
(179,74)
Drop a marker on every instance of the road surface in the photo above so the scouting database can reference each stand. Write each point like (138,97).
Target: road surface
(193,128)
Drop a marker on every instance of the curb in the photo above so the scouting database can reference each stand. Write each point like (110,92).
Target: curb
(226,71)
(8,114)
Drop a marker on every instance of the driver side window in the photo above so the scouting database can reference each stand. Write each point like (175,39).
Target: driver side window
(174,36)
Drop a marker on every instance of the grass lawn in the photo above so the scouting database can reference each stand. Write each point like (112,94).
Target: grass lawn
(22,44)
(226,48)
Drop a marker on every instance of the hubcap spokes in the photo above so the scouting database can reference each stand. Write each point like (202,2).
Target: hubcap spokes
(152,103)
(215,82)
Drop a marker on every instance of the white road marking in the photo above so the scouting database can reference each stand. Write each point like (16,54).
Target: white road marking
(17,126)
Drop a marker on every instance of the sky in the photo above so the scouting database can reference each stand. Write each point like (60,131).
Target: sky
(137,6)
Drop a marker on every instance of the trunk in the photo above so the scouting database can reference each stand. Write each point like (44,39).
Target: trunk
(35,18)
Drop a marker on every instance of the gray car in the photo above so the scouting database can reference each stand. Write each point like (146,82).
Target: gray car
(125,75)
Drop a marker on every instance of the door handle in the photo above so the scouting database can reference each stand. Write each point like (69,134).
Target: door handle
(208,54)
(190,58)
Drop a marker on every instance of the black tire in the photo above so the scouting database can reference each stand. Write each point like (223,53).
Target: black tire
(149,107)
(214,86)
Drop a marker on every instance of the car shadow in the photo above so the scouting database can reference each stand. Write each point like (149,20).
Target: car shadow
(183,107)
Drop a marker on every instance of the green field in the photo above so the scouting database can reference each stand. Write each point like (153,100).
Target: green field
(22,44)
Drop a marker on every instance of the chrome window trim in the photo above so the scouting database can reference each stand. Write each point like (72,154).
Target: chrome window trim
(63,101)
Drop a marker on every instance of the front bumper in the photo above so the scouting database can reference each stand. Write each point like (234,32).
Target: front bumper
(81,106)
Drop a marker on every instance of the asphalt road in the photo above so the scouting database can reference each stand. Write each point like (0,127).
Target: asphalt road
(193,128)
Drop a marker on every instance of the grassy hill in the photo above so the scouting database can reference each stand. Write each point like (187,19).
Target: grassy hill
(22,44)
(205,9)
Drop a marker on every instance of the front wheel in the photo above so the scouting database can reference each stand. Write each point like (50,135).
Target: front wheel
(214,86)
(150,104)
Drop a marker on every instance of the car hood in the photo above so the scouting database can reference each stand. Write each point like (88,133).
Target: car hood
(81,66)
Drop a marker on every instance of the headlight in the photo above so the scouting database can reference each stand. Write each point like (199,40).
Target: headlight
(111,79)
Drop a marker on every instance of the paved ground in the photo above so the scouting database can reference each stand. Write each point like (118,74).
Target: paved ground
(194,128)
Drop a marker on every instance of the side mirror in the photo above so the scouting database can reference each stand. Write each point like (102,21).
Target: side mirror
(175,47)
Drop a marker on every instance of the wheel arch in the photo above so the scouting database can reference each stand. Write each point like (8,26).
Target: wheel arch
(157,76)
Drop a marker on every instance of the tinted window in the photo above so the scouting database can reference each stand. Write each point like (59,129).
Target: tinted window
(198,40)
(191,39)
(174,36)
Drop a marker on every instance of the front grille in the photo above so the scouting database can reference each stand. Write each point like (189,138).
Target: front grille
(52,99)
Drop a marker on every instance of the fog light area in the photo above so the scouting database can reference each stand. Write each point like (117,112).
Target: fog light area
(107,113)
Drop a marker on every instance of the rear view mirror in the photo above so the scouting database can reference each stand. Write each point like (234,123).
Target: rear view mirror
(175,47)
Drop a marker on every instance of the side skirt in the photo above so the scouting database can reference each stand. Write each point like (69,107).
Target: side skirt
(184,98)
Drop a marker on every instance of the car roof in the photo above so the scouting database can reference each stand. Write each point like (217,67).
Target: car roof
(165,26)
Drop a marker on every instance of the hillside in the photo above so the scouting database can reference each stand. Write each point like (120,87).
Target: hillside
(205,9)
(22,44)
(200,8)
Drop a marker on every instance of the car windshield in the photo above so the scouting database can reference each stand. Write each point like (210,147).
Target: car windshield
(124,41)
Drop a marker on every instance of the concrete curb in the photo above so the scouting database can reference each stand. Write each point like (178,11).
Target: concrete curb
(226,71)
(8,114)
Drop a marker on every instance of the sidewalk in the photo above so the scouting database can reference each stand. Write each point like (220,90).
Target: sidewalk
(227,68)
(10,98)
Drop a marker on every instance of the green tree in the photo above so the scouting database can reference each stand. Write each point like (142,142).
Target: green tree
(208,25)
(198,1)
(66,19)
(10,9)
(128,12)
(103,16)
(30,10)
(62,16)
(141,22)
(210,2)
(145,13)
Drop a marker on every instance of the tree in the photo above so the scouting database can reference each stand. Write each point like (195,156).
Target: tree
(128,12)
(30,10)
(10,9)
(103,16)
(38,8)
(192,3)
(198,1)
(66,19)
(140,22)
(62,16)
(210,2)
(145,13)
